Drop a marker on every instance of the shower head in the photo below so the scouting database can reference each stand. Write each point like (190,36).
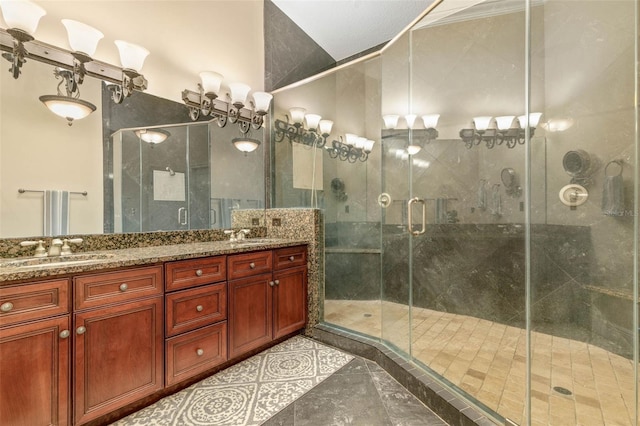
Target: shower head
(170,170)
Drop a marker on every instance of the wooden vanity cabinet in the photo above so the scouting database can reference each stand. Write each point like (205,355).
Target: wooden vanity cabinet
(118,340)
(268,303)
(34,353)
(196,317)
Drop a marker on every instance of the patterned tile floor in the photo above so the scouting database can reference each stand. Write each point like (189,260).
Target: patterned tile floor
(298,382)
(487,360)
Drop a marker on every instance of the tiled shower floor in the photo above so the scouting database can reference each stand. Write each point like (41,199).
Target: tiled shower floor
(487,360)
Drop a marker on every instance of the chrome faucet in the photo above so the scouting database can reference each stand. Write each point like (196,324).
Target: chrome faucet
(54,248)
(232,235)
(242,234)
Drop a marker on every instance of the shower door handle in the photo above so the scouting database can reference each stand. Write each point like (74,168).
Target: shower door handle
(182,219)
(410,216)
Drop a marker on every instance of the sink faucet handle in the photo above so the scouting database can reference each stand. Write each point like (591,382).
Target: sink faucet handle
(40,250)
(232,234)
(66,249)
(243,233)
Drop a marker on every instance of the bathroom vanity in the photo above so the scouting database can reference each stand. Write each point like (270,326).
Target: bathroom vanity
(82,340)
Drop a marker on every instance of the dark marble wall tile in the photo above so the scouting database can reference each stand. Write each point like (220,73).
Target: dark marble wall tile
(290,54)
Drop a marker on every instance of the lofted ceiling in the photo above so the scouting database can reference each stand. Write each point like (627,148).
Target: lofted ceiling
(344,28)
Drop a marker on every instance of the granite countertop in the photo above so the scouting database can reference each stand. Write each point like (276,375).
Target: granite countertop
(136,257)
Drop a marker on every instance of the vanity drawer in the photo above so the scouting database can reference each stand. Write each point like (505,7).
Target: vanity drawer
(194,352)
(189,309)
(96,290)
(189,273)
(248,264)
(289,257)
(30,301)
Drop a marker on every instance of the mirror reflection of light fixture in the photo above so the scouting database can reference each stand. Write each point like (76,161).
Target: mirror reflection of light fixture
(557,124)
(245,144)
(506,130)
(390,121)
(22,17)
(206,101)
(352,148)
(67,105)
(315,133)
(152,136)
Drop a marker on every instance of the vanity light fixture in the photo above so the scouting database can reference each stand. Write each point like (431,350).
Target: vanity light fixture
(352,148)
(390,121)
(501,130)
(18,44)
(315,133)
(245,144)
(206,102)
(152,136)
(68,104)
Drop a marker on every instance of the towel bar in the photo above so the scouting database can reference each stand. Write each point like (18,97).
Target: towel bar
(22,191)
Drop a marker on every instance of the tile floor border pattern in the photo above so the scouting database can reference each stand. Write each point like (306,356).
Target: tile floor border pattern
(247,393)
(488,361)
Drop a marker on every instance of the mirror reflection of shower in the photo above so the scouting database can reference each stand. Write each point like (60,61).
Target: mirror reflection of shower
(170,170)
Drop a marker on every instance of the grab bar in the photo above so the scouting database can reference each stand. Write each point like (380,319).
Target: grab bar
(410,216)
(22,191)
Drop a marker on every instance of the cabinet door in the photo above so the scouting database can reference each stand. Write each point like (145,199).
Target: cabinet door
(250,311)
(289,301)
(34,373)
(118,356)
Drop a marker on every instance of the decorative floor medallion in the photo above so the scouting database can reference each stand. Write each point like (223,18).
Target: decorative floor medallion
(249,392)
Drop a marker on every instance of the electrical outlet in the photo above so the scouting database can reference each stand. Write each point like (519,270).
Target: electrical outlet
(255,221)
(276,221)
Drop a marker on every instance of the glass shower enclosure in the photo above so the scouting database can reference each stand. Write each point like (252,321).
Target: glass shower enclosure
(497,247)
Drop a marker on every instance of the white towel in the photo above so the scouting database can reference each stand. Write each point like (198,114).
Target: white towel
(56,212)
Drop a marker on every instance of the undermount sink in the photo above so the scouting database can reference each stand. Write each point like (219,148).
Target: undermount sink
(253,242)
(42,262)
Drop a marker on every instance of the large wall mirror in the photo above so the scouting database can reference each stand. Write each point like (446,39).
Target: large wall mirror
(117,182)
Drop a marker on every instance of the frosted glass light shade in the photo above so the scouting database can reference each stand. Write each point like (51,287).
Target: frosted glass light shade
(239,92)
(297,115)
(246,144)
(67,107)
(325,126)
(154,136)
(390,121)
(350,139)
(312,121)
(21,14)
(211,82)
(534,119)
(82,37)
(430,121)
(360,142)
(262,100)
(132,56)
(411,120)
(504,122)
(413,149)
(368,145)
(482,123)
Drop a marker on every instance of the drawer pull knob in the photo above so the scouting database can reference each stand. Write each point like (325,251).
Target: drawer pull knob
(199,308)
(291,258)
(277,282)
(124,287)
(199,272)
(81,330)
(64,334)
(252,265)
(200,352)
(271,283)
(6,307)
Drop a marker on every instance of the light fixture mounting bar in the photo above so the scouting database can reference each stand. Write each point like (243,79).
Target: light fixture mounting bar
(218,106)
(61,58)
